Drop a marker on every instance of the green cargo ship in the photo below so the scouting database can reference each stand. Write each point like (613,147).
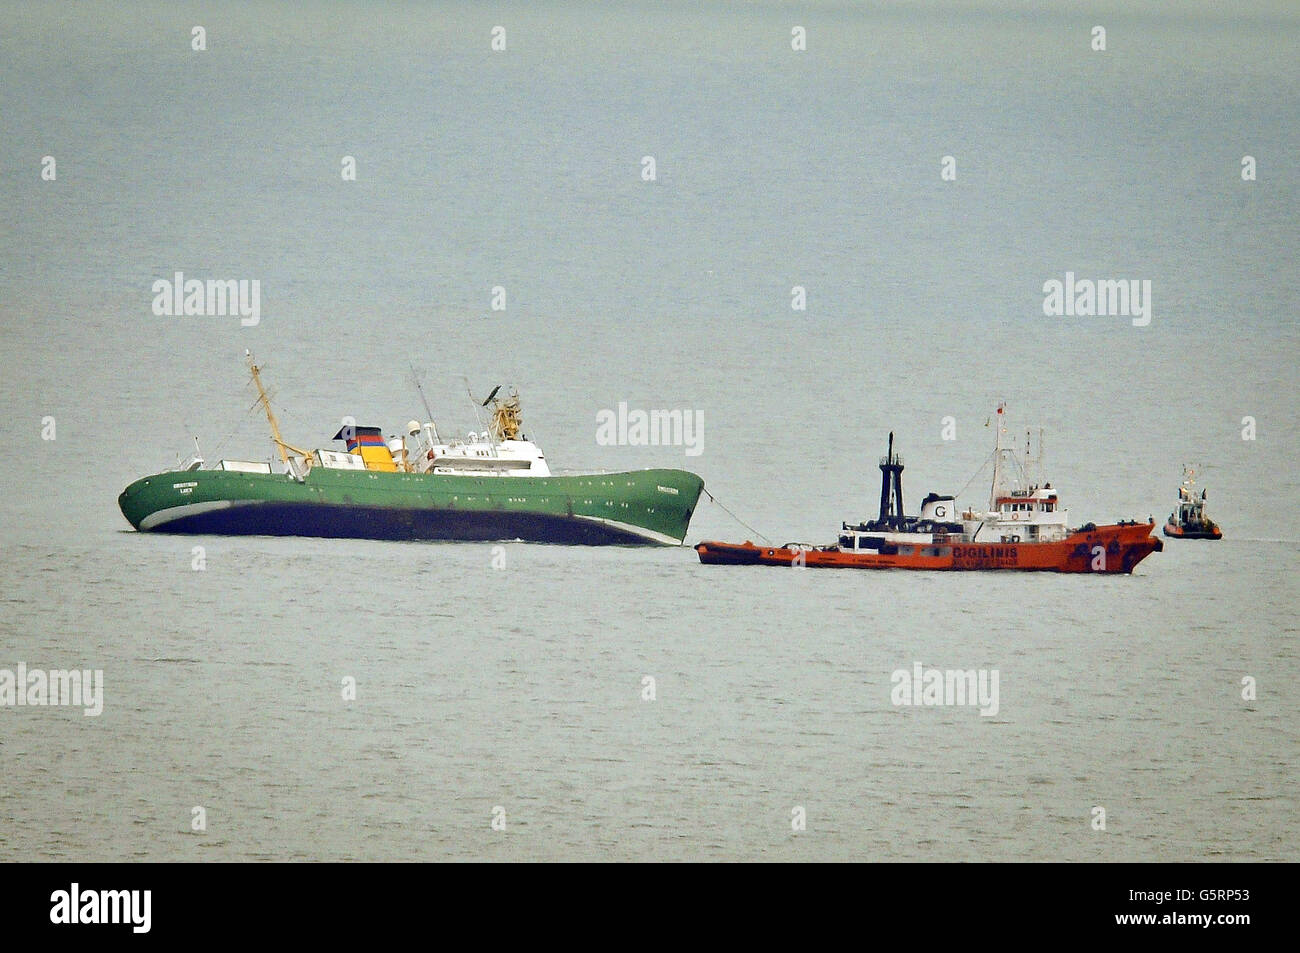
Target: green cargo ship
(494,486)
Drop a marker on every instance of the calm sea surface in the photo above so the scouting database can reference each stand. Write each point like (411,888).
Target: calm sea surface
(521,687)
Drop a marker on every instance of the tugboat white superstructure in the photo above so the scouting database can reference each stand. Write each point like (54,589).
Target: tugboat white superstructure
(1189,520)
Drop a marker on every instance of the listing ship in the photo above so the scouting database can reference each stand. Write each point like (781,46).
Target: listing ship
(1189,520)
(495,485)
(1024,528)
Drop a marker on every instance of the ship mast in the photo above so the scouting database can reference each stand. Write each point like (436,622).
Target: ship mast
(891,487)
(1041,476)
(424,400)
(270,415)
(997,463)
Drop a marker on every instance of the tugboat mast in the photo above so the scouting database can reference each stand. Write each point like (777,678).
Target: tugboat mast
(891,486)
(997,463)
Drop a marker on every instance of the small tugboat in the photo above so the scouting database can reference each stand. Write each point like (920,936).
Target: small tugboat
(1190,521)
(1023,528)
(495,485)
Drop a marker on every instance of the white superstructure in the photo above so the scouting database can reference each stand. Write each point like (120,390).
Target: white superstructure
(1019,509)
(479,454)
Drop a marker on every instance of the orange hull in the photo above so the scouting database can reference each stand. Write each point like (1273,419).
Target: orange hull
(1105,549)
(1174,531)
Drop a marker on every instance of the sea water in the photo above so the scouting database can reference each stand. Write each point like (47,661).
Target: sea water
(831,243)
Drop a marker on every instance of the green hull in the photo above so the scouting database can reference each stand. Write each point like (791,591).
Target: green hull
(641,506)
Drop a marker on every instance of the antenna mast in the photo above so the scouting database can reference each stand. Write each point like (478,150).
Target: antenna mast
(424,400)
(474,400)
(1042,472)
(997,462)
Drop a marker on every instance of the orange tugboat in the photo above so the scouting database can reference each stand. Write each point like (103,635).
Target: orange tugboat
(1024,528)
(1190,520)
